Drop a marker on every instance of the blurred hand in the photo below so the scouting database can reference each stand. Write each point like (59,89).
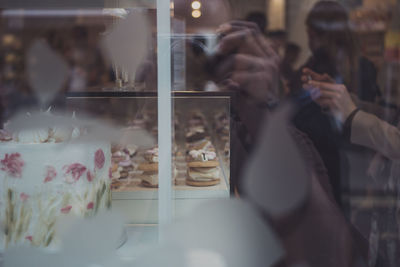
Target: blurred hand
(329,95)
(308,74)
(247,61)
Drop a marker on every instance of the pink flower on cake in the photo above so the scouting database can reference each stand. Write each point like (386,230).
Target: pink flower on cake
(90,206)
(50,174)
(29,237)
(89,176)
(73,172)
(99,159)
(12,164)
(66,209)
(24,197)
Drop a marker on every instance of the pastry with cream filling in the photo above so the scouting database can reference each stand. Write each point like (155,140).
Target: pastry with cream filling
(196,133)
(203,168)
(149,176)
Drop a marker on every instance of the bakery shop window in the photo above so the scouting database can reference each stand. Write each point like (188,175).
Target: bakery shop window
(275,115)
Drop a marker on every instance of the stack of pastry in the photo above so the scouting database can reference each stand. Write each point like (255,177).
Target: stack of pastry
(149,176)
(202,161)
(222,129)
(196,129)
(203,168)
(122,164)
(221,122)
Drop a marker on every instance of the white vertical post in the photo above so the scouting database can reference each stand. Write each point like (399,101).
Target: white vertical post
(164,115)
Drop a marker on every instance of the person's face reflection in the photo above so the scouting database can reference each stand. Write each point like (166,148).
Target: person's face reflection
(314,40)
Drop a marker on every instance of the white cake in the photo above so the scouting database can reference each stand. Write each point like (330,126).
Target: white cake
(43,181)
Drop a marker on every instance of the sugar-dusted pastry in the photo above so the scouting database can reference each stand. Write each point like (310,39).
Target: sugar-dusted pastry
(118,156)
(203,168)
(202,158)
(150,179)
(194,134)
(122,161)
(131,150)
(203,144)
(115,184)
(204,174)
(149,176)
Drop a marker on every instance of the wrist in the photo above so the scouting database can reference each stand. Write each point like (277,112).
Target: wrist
(349,112)
(347,126)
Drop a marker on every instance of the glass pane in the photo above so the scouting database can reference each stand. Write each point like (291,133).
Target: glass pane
(283,117)
(71,142)
(201,149)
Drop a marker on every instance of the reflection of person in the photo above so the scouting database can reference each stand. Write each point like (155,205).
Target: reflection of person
(196,76)
(248,64)
(279,40)
(320,235)
(258,18)
(366,129)
(333,53)
(292,52)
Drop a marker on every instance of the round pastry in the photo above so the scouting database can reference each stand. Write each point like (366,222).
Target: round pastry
(195,134)
(203,144)
(123,175)
(202,183)
(116,185)
(148,167)
(151,155)
(202,158)
(203,164)
(203,173)
(150,179)
(148,184)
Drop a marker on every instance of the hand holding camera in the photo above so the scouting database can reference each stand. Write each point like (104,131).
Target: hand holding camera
(246,61)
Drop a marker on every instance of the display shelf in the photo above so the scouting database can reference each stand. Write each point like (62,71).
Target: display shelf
(179,192)
(140,204)
(183,101)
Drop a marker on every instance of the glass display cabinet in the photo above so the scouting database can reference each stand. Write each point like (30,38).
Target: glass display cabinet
(151,108)
(201,124)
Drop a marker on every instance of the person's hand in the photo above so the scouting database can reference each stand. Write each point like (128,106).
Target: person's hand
(247,61)
(332,97)
(308,74)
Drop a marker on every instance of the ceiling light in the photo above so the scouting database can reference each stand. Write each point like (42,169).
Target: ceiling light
(196,5)
(196,14)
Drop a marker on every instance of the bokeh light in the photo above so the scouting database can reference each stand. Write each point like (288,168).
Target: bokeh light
(196,5)
(196,14)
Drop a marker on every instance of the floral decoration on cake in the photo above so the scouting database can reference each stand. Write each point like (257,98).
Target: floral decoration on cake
(99,159)
(73,172)
(12,164)
(51,174)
